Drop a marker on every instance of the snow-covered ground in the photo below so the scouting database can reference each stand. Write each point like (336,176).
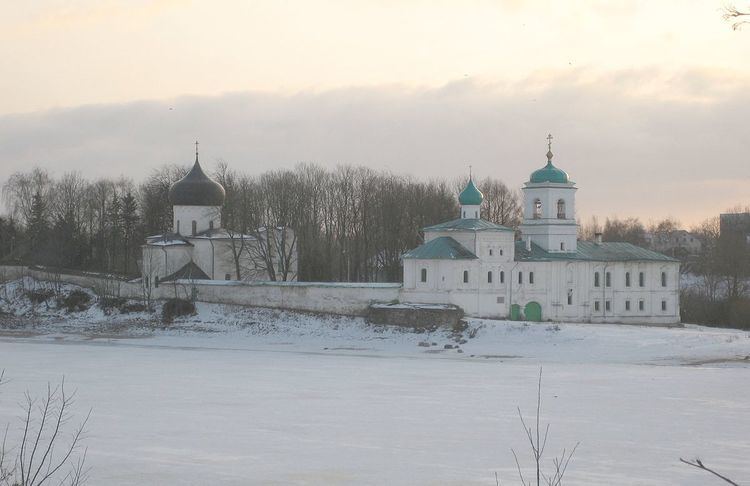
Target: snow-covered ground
(251,396)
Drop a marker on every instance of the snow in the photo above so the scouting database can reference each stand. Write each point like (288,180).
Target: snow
(252,396)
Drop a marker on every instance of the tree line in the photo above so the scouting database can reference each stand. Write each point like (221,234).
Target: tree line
(350,223)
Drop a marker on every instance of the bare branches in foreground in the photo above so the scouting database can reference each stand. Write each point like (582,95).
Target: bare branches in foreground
(48,453)
(538,443)
(698,464)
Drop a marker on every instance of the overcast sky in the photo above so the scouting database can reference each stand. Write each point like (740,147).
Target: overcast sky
(648,101)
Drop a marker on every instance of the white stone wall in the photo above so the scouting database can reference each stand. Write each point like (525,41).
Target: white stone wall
(552,282)
(204,217)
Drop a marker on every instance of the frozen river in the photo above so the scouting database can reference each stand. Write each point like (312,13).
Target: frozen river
(165,412)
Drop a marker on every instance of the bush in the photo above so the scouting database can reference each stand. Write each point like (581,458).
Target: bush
(39,296)
(75,301)
(696,308)
(176,308)
(109,303)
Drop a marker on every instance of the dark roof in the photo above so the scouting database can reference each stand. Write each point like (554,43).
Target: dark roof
(467,224)
(590,251)
(167,239)
(190,271)
(442,248)
(196,189)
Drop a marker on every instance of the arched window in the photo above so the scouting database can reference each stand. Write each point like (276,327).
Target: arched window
(608,278)
(195,227)
(424,275)
(489,277)
(466,276)
(663,279)
(531,277)
(641,279)
(178,226)
(627,279)
(537,208)
(596,279)
(520,277)
(502,277)
(211,224)
(560,209)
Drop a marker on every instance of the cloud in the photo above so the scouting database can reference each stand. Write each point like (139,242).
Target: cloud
(632,149)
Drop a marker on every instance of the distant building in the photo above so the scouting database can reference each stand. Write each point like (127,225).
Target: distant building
(549,275)
(198,248)
(675,243)
(735,226)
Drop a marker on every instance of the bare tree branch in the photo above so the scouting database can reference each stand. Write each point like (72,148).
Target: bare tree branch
(697,463)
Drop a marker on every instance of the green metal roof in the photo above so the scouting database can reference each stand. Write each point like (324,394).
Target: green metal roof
(549,173)
(590,251)
(467,224)
(442,248)
(471,195)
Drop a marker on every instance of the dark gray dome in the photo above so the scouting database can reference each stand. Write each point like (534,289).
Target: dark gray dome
(196,189)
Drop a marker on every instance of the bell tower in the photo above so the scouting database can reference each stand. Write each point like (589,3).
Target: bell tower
(549,208)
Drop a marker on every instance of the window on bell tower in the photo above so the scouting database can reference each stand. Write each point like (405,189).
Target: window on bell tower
(561,209)
(537,208)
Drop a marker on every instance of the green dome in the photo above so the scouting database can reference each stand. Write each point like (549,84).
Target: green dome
(549,173)
(471,196)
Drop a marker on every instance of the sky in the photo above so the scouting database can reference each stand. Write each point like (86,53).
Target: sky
(647,101)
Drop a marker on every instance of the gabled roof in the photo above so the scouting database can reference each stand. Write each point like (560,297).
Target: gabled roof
(442,248)
(467,224)
(190,271)
(590,251)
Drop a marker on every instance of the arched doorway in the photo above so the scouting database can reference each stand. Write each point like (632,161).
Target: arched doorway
(533,311)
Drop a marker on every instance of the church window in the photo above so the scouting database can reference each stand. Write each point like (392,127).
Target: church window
(195,227)
(627,279)
(570,296)
(476,214)
(562,246)
(490,251)
(520,277)
(489,277)
(501,252)
(641,305)
(663,279)
(560,209)
(641,279)
(178,226)
(211,224)
(531,277)
(537,209)
(596,279)
(607,305)
(502,277)
(156,281)
(664,305)
(423,276)
(608,278)
(228,276)
(464,214)
(596,305)
(466,276)
(627,305)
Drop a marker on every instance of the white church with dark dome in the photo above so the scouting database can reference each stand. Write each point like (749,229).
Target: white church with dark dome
(199,248)
(547,273)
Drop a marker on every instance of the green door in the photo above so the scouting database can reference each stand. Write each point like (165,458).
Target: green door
(515,312)
(533,311)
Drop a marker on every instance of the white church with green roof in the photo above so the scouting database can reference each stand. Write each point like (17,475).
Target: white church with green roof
(546,274)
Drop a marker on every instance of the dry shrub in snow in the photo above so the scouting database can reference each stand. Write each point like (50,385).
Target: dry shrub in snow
(176,308)
(48,452)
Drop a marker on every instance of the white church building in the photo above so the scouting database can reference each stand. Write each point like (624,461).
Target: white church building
(198,248)
(548,274)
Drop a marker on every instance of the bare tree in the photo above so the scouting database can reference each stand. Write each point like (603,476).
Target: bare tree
(737,17)
(44,454)
(538,442)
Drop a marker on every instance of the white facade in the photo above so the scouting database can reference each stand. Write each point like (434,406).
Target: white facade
(548,274)
(198,248)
